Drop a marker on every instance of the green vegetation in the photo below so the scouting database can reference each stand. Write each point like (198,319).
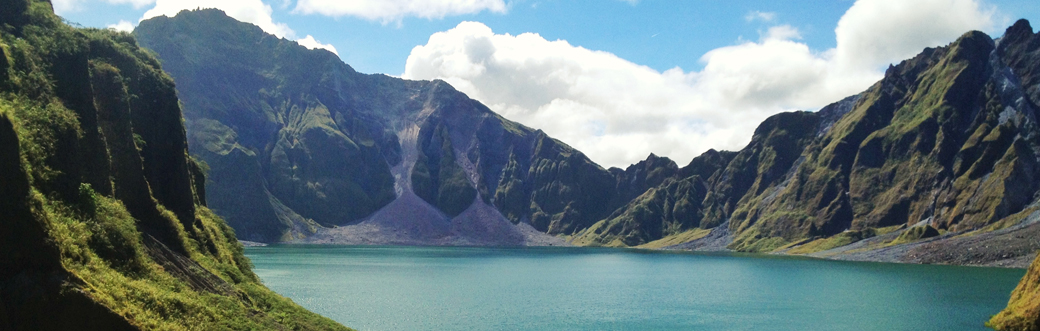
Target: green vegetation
(107,228)
(437,177)
(914,234)
(841,239)
(940,139)
(906,151)
(1023,310)
(669,210)
(676,239)
(291,139)
(531,177)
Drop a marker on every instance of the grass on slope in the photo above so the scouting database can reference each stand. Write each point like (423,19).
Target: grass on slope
(1024,306)
(675,239)
(102,250)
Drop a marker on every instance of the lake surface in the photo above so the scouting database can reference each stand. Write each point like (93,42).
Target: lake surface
(451,288)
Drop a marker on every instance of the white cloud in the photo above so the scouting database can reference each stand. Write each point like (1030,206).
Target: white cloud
(617,111)
(122,26)
(783,32)
(874,32)
(252,11)
(394,10)
(135,3)
(312,43)
(62,7)
(760,16)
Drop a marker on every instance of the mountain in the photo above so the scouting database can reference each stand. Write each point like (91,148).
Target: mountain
(105,224)
(935,163)
(1020,47)
(714,185)
(302,147)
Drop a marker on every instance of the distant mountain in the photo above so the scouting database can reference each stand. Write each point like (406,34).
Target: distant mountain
(300,147)
(937,162)
(103,220)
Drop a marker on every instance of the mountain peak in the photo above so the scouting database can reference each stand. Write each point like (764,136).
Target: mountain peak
(1021,29)
(975,40)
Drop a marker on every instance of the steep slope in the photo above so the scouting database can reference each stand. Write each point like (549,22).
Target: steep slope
(886,162)
(947,141)
(104,222)
(1023,310)
(714,185)
(936,163)
(1020,49)
(258,112)
(302,147)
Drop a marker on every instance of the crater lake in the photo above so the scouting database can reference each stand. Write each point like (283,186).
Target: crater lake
(461,288)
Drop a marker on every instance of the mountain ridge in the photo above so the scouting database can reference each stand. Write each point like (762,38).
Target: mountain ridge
(935,163)
(933,141)
(378,114)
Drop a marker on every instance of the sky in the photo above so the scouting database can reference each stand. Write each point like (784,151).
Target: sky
(616,79)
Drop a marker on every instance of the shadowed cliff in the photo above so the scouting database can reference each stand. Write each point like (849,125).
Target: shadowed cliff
(104,222)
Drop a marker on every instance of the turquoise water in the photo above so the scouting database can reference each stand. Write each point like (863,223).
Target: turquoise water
(436,288)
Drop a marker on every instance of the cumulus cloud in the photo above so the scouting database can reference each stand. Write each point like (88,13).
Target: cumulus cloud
(760,16)
(394,10)
(62,7)
(617,111)
(135,3)
(312,43)
(874,32)
(122,26)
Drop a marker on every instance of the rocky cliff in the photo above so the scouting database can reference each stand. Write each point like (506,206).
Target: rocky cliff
(935,163)
(302,147)
(1021,49)
(104,218)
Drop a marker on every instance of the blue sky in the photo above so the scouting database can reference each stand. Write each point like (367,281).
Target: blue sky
(617,79)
